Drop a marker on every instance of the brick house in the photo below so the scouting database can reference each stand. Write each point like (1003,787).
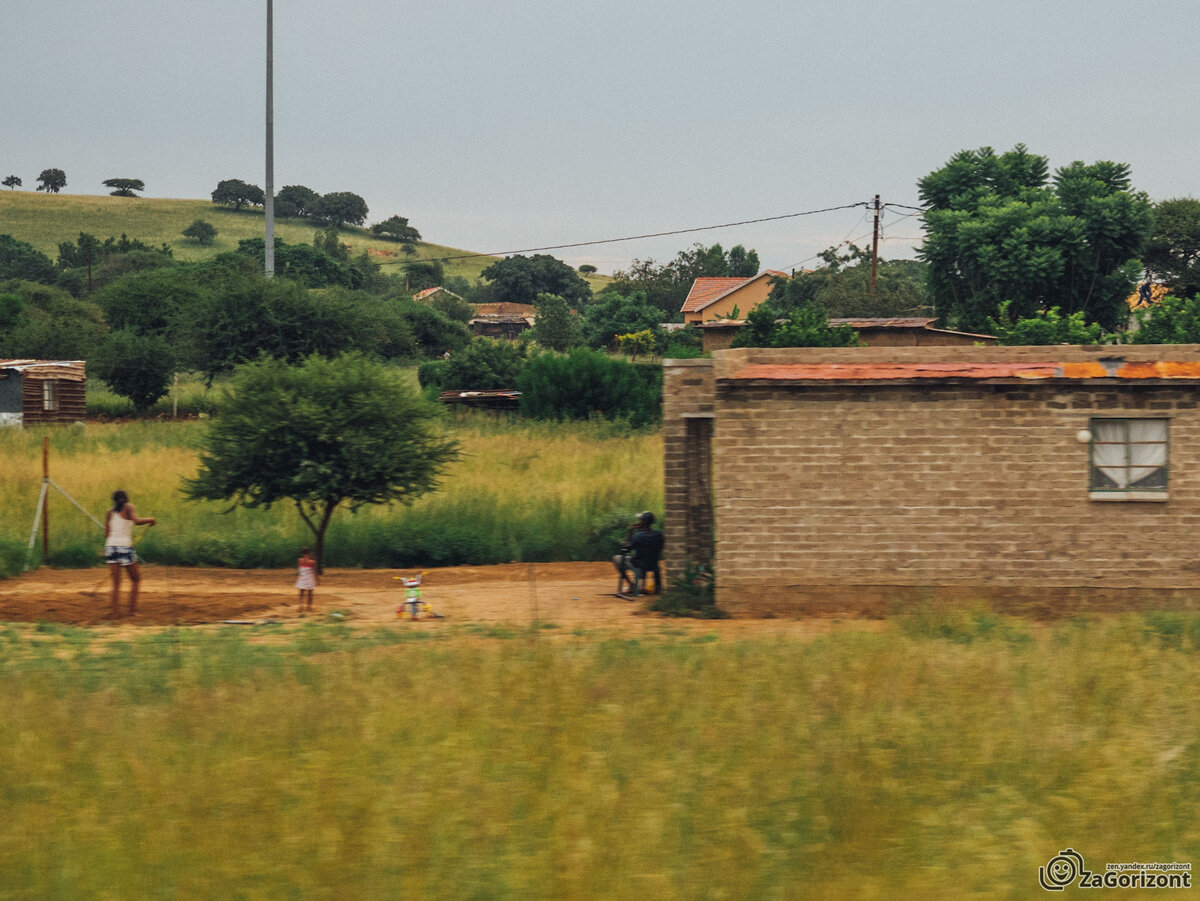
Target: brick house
(819,474)
(37,391)
(719,297)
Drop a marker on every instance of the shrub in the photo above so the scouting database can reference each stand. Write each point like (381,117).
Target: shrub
(585,383)
(1046,327)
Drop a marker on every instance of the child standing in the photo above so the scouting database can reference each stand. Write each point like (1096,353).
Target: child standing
(306,581)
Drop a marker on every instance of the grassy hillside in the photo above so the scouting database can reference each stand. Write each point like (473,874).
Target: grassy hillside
(45,220)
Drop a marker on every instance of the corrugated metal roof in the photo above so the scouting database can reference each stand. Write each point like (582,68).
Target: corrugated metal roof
(879,372)
(70,370)
(874,322)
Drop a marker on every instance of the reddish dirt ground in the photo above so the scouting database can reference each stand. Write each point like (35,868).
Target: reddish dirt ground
(570,595)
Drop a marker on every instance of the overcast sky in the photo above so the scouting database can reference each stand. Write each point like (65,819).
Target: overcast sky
(506,126)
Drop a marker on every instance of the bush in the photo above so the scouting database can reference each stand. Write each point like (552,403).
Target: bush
(1046,327)
(585,383)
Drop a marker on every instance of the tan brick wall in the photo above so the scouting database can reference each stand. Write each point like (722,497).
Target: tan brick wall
(969,488)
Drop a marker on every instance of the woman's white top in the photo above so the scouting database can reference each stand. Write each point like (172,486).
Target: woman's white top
(120,531)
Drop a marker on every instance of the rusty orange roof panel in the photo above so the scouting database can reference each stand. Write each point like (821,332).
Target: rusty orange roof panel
(879,372)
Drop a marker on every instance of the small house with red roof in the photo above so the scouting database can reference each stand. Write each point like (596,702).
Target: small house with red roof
(727,298)
(835,480)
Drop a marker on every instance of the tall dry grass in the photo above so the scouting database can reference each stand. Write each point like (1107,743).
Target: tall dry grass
(520,492)
(859,765)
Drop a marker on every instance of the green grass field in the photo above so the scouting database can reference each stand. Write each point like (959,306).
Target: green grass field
(45,220)
(679,765)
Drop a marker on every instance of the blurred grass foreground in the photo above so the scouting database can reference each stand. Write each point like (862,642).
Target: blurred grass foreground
(474,763)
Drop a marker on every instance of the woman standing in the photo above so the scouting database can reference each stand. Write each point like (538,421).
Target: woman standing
(118,549)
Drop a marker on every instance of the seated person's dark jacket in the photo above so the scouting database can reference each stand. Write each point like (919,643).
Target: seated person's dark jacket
(645,548)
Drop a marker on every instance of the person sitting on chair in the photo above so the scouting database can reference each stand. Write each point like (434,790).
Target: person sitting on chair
(640,554)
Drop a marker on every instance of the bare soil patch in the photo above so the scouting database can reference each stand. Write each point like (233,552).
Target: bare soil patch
(570,595)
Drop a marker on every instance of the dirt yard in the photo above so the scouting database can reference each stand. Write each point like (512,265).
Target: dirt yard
(570,595)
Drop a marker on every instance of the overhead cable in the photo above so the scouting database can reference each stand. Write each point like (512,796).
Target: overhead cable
(680,231)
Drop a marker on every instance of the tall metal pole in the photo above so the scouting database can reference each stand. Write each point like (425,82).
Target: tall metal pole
(269,198)
(875,246)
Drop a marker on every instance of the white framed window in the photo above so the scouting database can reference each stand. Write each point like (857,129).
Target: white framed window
(1128,460)
(49,395)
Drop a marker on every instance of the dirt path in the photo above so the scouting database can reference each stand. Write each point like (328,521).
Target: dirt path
(570,595)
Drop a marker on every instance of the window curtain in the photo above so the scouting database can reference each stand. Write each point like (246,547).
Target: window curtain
(1128,451)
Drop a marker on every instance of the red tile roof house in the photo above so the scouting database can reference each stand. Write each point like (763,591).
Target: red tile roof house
(720,298)
(825,479)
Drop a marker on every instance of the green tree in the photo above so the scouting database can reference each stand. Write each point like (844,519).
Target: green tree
(138,367)
(201,231)
(520,279)
(804,325)
(613,314)
(842,287)
(321,434)
(422,274)
(12,182)
(587,269)
(21,260)
(1174,320)
(396,228)
(483,365)
(452,307)
(340,208)
(1173,250)
(52,181)
(996,230)
(555,326)
(236,193)
(124,187)
(295,200)
(51,325)
(1046,327)
(666,286)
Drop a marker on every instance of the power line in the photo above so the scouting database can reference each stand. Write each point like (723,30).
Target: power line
(680,231)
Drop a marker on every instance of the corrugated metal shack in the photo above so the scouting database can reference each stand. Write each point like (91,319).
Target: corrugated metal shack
(34,391)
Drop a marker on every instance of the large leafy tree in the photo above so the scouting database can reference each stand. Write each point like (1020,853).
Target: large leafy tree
(201,231)
(340,208)
(295,200)
(124,187)
(52,181)
(138,367)
(321,434)
(396,228)
(555,326)
(19,259)
(997,228)
(613,314)
(520,279)
(842,287)
(804,325)
(666,286)
(236,193)
(1173,251)
(50,324)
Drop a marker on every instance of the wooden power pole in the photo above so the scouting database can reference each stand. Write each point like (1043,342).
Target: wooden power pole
(875,246)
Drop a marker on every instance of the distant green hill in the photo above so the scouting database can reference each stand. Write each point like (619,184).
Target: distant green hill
(45,220)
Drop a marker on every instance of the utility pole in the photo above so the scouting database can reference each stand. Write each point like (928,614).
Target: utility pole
(875,246)
(269,198)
